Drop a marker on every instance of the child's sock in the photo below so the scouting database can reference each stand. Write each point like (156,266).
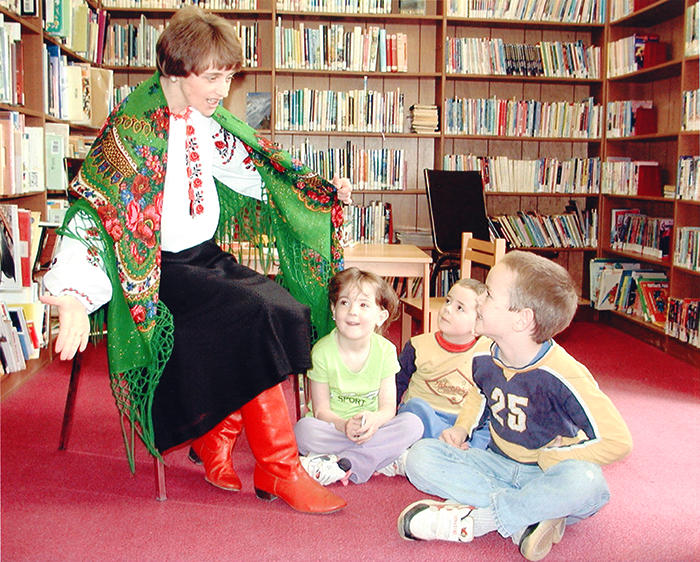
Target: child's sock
(483,521)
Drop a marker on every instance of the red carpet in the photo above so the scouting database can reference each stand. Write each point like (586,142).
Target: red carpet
(84,504)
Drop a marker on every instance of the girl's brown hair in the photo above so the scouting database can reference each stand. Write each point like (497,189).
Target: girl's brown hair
(354,277)
(195,40)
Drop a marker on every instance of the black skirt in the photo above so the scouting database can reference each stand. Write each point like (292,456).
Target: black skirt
(237,334)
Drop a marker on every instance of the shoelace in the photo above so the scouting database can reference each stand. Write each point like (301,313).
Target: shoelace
(452,523)
(318,469)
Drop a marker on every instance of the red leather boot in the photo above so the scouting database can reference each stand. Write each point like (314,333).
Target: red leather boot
(278,472)
(215,447)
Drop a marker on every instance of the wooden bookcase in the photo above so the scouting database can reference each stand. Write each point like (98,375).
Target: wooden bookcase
(663,84)
(427,82)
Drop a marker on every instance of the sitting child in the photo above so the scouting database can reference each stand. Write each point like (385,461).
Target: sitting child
(551,426)
(352,421)
(436,368)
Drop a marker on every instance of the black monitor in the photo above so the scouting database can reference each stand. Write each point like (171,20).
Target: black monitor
(457,204)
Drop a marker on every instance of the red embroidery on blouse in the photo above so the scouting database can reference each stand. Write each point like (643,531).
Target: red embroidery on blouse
(193,165)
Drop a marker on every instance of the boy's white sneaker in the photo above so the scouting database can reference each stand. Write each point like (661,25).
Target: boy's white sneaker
(395,468)
(326,469)
(538,539)
(428,520)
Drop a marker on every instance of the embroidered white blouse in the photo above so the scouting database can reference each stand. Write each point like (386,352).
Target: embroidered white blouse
(81,275)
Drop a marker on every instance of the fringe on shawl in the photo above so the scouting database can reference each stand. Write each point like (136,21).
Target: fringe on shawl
(132,389)
(273,245)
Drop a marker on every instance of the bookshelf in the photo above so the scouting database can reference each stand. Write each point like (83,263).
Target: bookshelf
(426,80)
(662,84)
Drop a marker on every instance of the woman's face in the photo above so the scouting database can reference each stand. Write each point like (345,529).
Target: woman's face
(204,92)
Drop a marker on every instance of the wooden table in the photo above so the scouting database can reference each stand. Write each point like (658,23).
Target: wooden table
(394,260)
(387,260)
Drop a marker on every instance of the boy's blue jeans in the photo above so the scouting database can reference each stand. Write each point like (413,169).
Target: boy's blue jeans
(518,494)
(435,422)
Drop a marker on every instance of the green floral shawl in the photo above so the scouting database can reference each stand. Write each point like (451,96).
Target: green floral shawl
(120,188)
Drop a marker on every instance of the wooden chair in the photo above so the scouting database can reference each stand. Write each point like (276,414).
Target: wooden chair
(473,251)
(67,425)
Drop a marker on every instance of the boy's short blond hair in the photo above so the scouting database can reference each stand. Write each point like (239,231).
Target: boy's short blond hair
(475,285)
(544,287)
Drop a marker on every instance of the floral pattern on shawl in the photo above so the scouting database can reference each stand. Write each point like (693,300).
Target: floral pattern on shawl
(123,178)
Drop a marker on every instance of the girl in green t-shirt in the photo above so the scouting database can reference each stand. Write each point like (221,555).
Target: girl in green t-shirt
(352,429)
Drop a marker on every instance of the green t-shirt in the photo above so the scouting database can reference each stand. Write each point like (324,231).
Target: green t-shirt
(353,392)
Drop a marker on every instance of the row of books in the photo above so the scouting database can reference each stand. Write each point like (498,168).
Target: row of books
(22,155)
(74,23)
(17,230)
(690,112)
(19,338)
(331,47)
(634,53)
(534,230)
(627,287)
(631,231)
(621,8)
(250,41)
(34,157)
(622,176)
(446,279)
(119,93)
(336,6)
(565,11)
(692,30)
(88,32)
(524,118)
(502,174)
(682,320)
(363,111)
(12,59)
(367,169)
(686,250)
(131,44)
(135,44)
(75,92)
(483,56)
(368,224)
(27,246)
(630,118)
(175,4)
(688,178)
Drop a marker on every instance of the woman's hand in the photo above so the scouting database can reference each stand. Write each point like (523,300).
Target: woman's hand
(74,329)
(344,188)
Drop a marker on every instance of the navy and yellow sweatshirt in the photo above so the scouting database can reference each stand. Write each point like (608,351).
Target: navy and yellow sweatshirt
(531,407)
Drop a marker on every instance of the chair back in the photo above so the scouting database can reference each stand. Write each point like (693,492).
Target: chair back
(481,252)
(456,204)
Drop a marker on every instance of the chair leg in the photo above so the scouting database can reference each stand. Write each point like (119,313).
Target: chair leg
(159,467)
(301,394)
(406,328)
(69,410)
